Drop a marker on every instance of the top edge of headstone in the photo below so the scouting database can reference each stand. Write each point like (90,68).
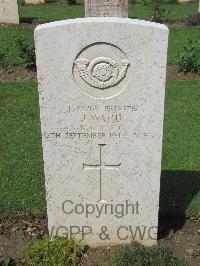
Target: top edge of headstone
(101,20)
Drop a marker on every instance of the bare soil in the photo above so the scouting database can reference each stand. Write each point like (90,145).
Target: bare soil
(18,230)
(21,72)
(17,72)
(178,23)
(174,74)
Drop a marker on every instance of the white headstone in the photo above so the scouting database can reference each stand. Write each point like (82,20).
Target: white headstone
(9,11)
(102,89)
(34,1)
(106,8)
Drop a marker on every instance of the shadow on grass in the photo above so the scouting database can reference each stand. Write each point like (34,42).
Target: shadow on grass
(51,1)
(178,189)
(30,20)
(133,17)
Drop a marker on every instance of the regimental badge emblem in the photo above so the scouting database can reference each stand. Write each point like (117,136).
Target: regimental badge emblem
(101,70)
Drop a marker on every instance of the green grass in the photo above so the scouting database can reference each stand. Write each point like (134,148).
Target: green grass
(21,167)
(182,120)
(49,12)
(177,40)
(8,35)
(173,12)
(22,178)
(155,256)
(59,10)
(180,185)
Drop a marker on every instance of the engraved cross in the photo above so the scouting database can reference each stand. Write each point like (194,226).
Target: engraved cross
(101,166)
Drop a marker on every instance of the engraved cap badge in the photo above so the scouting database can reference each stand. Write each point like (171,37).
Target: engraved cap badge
(101,70)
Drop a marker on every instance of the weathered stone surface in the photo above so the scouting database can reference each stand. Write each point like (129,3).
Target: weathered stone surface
(106,8)
(9,11)
(102,88)
(34,1)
